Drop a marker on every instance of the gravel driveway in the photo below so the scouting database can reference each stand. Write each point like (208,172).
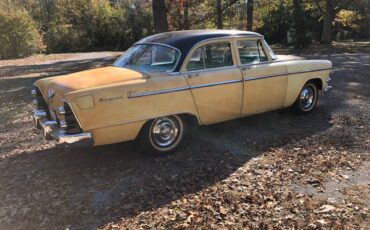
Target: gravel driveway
(274,169)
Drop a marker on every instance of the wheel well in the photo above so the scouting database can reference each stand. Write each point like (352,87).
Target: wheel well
(190,119)
(317,82)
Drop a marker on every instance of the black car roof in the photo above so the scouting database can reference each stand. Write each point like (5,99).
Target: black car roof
(186,39)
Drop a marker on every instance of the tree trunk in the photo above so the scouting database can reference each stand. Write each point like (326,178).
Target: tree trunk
(160,16)
(250,15)
(219,23)
(186,24)
(300,39)
(328,21)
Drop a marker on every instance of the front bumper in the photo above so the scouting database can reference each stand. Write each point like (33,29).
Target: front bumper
(328,88)
(52,131)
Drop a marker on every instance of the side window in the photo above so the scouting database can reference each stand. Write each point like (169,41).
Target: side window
(157,55)
(251,52)
(218,55)
(211,56)
(196,61)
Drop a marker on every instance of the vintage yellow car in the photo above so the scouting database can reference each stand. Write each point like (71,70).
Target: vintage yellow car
(153,91)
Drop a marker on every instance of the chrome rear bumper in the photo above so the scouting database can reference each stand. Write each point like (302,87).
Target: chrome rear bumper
(52,131)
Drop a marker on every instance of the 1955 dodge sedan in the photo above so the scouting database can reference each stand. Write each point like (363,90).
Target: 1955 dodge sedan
(166,80)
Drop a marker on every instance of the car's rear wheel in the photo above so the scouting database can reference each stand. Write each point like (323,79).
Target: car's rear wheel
(307,99)
(162,135)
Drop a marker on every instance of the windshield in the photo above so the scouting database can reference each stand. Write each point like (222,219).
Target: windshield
(149,58)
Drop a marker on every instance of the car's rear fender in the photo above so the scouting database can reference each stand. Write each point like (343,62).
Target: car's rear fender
(119,111)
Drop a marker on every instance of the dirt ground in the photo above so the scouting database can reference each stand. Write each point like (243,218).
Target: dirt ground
(274,170)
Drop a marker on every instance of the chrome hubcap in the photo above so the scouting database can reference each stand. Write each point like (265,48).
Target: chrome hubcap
(164,132)
(307,97)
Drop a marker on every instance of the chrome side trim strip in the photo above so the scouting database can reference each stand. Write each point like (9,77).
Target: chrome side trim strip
(210,69)
(311,70)
(263,77)
(287,74)
(215,83)
(150,93)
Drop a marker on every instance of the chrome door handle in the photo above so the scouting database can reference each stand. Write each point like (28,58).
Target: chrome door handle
(191,75)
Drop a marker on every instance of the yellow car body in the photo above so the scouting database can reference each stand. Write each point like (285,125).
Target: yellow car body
(112,104)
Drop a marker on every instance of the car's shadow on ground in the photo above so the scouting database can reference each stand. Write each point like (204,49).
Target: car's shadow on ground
(105,183)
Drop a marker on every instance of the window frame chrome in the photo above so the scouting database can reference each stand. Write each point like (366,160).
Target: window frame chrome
(183,69)
(257,39)
(159,44)
(202,45)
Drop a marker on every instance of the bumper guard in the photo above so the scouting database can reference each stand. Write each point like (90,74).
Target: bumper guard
(52,131)
(328,87)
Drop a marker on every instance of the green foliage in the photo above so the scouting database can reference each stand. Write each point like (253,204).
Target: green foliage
(96,25)
(347,23)
(83,25)
(86,25)
(19,36)
(274,20)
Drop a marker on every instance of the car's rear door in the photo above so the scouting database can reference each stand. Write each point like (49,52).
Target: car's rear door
(264,81)
(215,80)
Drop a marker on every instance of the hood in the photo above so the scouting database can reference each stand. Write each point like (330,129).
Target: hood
(64,84)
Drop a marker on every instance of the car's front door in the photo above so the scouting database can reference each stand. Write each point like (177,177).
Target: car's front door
(216,81)
(265,81)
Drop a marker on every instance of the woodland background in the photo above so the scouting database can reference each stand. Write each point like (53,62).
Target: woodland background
(54,26)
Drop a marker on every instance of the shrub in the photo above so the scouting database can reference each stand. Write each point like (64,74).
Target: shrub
(62,37)
(86,25)
(19,36)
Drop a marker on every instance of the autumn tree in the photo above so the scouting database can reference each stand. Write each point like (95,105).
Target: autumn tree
(87,25)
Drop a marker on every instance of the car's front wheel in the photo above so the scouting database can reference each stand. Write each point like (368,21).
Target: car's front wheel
(307,99)
(162,135)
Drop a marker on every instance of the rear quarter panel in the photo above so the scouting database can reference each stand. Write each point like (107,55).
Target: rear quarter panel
(301,71)
(117,117)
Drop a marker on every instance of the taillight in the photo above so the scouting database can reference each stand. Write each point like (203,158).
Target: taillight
(70,123)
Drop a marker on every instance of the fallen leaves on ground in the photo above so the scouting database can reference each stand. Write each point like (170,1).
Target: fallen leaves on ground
(259,195)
